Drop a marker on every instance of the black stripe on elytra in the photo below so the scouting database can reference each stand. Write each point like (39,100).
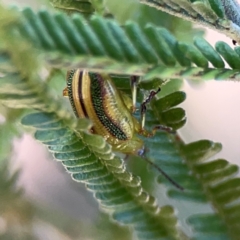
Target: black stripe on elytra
(97,101)
(80,83)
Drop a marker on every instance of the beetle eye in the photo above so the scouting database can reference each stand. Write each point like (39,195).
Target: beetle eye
(141,151)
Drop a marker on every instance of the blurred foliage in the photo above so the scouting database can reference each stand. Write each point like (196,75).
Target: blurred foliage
(131,10)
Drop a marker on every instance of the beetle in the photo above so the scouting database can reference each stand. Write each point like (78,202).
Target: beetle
(94,96)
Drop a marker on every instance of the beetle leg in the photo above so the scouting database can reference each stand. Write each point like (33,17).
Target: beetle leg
(156,128)
(144,108)
(163,128)
(143,117)
(134,82)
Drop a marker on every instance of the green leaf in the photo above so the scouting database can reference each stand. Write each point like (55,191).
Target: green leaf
(157,40)
(217,7)
(101,44)
(194,55)
(208,51)
(146,51)
(115,188)
(169,101)
(205,11)
(229,54)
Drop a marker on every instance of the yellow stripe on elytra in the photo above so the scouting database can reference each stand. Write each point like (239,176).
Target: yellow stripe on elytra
(75,93)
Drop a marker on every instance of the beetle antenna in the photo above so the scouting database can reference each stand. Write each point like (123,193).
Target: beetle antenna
(164,174)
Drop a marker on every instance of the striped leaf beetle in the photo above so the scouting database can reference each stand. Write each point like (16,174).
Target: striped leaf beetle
(94,96)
